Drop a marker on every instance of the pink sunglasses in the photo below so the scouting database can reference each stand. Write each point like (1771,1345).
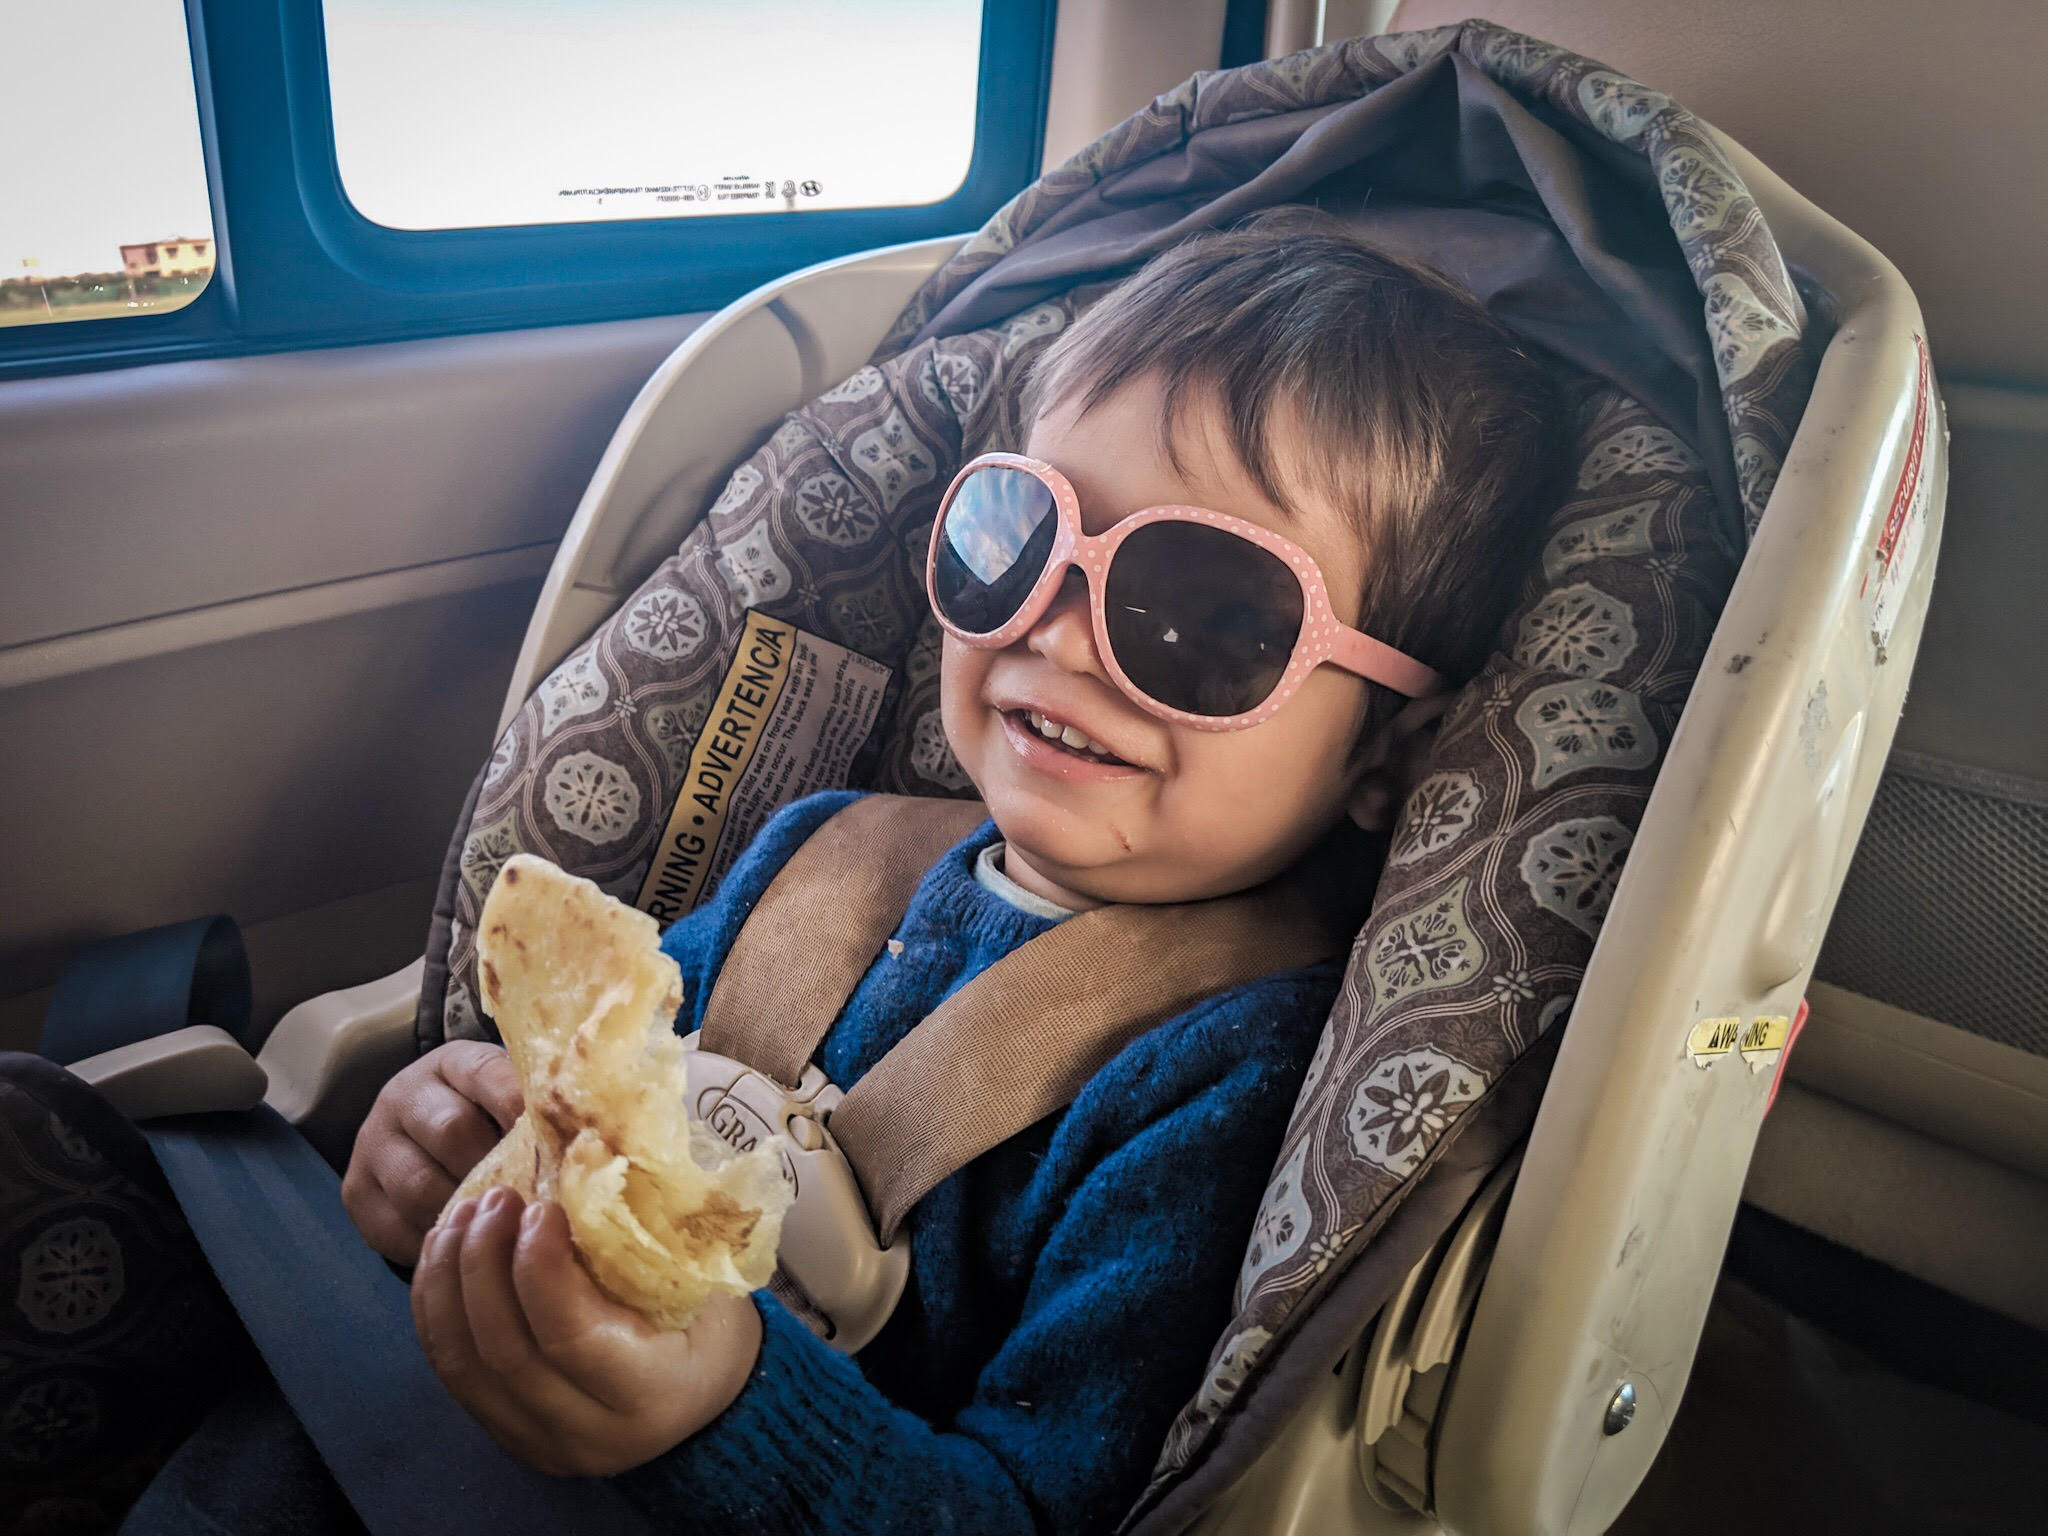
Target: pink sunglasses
(1203,619)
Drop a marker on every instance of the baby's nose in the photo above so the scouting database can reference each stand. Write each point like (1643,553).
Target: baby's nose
(1065,636)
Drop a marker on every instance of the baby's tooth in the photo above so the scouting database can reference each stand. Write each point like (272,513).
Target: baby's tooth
(1098,748)
(1033,718)
(1048,728)
(1072,737)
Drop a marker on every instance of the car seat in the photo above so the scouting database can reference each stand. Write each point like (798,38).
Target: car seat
(1537,1316)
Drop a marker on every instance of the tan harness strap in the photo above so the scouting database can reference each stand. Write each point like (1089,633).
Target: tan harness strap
(1021,1039)
(817,928)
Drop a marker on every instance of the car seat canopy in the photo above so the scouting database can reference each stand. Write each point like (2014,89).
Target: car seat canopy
(1592,215)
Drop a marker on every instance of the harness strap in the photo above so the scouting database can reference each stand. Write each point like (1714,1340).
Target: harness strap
(1018,1041)
(1021,1039)
(820,924)
(331,1320)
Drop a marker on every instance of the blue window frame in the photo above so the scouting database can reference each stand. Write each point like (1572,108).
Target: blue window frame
(298,266)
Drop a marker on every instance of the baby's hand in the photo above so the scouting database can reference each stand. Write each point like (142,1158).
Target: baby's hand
(561,1375)
(432,1123)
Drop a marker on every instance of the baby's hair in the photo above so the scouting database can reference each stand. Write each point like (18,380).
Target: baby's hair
(1441,435)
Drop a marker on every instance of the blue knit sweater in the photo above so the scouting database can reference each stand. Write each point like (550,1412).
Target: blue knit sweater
(1065,1287)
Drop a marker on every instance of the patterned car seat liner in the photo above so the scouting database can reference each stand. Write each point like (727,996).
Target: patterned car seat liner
(1653,276)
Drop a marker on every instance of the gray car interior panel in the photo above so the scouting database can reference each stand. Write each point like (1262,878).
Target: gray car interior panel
(229,571)
(1924,1206)
(1110,57)
(1955,1085)
(138,492)
(286,769)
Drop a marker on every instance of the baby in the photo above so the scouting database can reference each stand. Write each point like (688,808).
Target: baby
(1275,495)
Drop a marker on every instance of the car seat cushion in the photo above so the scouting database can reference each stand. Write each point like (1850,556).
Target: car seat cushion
(823,529)
(1505,858)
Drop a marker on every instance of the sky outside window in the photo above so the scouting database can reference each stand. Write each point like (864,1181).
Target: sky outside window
(462,113)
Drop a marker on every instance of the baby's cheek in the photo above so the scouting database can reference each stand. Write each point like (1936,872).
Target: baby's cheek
(1267,791)
(962,670)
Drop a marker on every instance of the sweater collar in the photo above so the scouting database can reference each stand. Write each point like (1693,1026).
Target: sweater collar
(990,875)
(950,896)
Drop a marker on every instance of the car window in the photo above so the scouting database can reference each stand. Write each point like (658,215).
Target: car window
(249,178)
(454,114)
(103,199)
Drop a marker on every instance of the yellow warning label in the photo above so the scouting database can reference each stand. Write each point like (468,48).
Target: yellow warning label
(1765,1037)
(1713,1037)
(791,713)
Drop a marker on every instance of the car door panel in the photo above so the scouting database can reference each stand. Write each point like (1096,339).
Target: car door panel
(256,618)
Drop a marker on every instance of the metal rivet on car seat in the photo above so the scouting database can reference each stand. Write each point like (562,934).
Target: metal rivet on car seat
(1621,1409)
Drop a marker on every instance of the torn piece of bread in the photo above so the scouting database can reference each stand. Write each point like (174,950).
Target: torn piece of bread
(663,1212)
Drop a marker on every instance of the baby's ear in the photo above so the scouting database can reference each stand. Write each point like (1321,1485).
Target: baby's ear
(1389,762)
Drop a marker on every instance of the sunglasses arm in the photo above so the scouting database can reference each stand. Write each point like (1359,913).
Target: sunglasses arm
(1376,661)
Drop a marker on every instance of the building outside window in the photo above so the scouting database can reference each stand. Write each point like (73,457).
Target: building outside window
(183,257)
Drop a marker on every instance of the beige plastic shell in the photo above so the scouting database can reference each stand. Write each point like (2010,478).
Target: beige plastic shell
(1633,1171)
(328,1057)
(1407,1363)
(1613,1237)
(1612,1240)
(190,1071)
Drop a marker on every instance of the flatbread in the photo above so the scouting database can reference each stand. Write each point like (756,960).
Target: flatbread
(663,1212)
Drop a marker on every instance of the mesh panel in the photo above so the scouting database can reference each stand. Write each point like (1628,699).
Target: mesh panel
(1945,911)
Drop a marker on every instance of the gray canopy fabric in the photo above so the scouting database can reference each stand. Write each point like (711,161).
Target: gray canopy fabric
(1521,170)
(1591,214)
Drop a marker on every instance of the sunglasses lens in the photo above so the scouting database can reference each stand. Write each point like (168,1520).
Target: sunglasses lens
(1200,619)
(992,547)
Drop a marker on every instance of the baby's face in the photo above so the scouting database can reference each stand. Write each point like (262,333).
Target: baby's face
(1182,814)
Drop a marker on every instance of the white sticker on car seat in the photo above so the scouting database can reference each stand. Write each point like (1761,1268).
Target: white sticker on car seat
(790,715)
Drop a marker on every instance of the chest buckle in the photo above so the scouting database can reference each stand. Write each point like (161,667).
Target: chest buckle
(832,1271)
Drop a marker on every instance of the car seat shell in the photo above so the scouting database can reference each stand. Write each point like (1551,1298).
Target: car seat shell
(1636,1161)
(1612,1240)
(1612,1237)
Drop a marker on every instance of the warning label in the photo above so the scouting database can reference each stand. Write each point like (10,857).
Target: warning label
(790,715)
(1713,1038)
(1897,557)
(1764,1039)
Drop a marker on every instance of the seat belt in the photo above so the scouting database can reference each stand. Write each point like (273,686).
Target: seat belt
(330,1318)
(1016,1042)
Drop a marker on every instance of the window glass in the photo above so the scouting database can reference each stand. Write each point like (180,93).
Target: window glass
(103,208)
(462,113)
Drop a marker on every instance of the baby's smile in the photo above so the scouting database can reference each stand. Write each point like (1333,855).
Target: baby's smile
(1041,730)
(1056,727)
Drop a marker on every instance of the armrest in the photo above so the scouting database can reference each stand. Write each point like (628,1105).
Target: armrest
(327,1058)
(190,1071)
